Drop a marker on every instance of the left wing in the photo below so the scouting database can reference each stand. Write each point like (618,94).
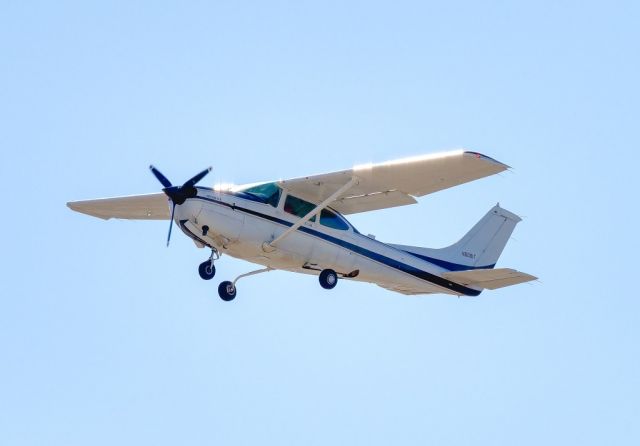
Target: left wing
(394,183)
(134,207)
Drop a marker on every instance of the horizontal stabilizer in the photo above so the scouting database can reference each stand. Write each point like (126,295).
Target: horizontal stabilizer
(489,278)
(408,291)
(134,207)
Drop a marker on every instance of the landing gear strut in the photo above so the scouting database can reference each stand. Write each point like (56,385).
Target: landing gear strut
(227,289)
(207,269)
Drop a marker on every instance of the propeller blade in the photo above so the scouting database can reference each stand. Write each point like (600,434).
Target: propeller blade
(173,209)
(165,182)
(178,194)
(192,182)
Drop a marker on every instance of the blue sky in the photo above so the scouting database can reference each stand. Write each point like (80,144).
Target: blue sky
(108,337)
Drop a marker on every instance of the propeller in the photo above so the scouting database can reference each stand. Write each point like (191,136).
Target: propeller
(178,194)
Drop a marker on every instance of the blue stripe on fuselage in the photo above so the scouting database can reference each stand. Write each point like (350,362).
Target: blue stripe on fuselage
(416,272)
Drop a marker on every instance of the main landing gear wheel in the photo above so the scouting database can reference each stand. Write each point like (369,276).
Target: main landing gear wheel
(207,270)
(328,279)
(227,291)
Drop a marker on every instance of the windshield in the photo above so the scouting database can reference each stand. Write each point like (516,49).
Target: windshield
(268,193)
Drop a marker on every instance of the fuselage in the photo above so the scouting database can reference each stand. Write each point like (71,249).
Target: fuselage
(240,225)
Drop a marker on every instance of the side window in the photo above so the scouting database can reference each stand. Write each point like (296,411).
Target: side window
(331,220)
(296,206)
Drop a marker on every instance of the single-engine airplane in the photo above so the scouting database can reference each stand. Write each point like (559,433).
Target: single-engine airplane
(298,225)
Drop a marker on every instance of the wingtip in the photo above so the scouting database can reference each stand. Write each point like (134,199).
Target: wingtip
(487,158)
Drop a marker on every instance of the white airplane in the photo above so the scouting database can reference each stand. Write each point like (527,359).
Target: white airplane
(298,225)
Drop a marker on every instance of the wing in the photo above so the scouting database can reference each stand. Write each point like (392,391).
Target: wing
(489,278)
(394,183)
(134,207)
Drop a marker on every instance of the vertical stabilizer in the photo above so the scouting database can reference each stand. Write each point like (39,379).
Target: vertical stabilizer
(479,248)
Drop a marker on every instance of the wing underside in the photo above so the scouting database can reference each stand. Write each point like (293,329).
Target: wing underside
(134,207)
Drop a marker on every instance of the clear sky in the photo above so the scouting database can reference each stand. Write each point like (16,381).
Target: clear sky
(108,337)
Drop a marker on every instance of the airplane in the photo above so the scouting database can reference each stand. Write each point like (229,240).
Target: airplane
(299,225)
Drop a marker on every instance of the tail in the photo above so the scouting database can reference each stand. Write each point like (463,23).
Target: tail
(480,248)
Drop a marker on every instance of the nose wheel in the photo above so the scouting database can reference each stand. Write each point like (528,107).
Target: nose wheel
(207,269)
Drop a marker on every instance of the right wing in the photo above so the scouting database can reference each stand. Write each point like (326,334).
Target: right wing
(134,207)
(394,183)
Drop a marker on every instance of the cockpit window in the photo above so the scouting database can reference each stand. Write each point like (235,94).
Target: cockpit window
(296,206)
(300,208)
(331,220)
(268,193)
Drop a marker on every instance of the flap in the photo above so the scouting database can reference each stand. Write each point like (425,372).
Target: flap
(371,202)
(399,179)
(134,207)
(489,278)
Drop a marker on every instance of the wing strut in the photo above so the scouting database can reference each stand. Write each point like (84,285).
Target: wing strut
(353,181)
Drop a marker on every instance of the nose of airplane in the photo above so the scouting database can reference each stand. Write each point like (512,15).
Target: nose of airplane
(178,194)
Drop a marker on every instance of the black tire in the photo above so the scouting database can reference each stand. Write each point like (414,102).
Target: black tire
(226,291)
(207,270)
(328,279)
